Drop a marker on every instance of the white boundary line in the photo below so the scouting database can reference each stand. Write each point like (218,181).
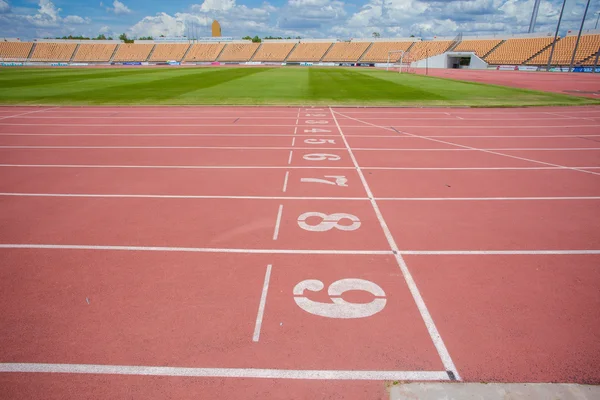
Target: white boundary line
(175,196)
(486,198)
(261,306)
(475,148)
(290,157)
(290,110)
(172,166)
(224,372)
(227,117)
(496,252)
(285,181)
(292,251)
(189,249)
(281,167)
(300,148)
(26,113)
(278,222)
(163,126)
(170,147)
(574,136)
(427,319)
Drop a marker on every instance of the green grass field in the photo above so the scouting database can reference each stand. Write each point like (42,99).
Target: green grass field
(256,86)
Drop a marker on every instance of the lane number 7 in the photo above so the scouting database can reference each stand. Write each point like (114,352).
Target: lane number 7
(338,180)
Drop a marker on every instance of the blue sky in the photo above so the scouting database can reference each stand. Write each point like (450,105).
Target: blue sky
(306,18)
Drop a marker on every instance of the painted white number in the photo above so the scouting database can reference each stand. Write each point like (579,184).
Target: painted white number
(340,307)
(316,122)
(328,222)
(316,130)
(321,157)
(315,115)
(339,180)
(319,141)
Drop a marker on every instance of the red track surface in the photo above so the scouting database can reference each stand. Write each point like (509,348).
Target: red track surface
(573,83)
(139,238)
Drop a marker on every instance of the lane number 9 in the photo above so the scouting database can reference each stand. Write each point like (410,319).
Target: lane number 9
(340,308)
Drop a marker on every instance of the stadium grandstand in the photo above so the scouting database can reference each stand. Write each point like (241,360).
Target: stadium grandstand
(346,51)
(309,51)
(531,50)
(133,52)
(50,51)
(169,51)
(94,52)
(204,52)
(274,51)
(241,52)
(423,49)
(380,51)
(563,51)
(15,51)
(516,51)
(481,47)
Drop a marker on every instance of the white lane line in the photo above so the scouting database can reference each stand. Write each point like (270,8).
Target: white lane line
(428,320)
(192,117)
(178,134)
(295,130)
(469,168)
(176,196)
(166,147)
(27,113)
(486,198)
(290,157)
(496,252)
(188,249)
(574,135)
(285,181)
(225,372)
(184,117)
(167,166)
(461,127)
(300,148)
(281,167)
(278,222)
(569,116)
(478,149)
(261,306)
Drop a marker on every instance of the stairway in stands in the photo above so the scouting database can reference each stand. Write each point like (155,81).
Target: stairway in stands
(539,52)
(492,50)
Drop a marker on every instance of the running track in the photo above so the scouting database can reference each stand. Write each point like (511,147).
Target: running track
(301,253)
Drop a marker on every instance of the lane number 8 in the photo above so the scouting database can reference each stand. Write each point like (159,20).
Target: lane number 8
(328,222)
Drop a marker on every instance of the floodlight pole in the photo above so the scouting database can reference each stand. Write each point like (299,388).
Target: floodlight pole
(556,35)
(579,35)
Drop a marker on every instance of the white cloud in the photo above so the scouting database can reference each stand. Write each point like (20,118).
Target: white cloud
(236,20)
(165,24)
(118,8)
(215,5)
(76,20)
(4,6)
(45,21)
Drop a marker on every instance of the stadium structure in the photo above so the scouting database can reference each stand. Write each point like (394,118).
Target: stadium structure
(522,52)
